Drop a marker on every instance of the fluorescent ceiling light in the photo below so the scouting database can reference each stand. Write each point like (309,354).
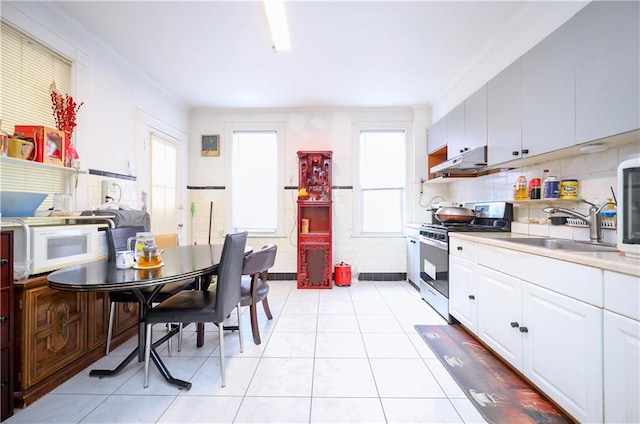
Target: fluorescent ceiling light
(278,24)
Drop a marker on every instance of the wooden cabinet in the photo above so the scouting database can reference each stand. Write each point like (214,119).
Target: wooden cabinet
(607,78)
(548,93)
(315,220)
(504,116)
(6,325)
(57,335)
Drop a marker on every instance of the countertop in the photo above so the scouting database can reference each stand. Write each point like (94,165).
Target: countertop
(613,261)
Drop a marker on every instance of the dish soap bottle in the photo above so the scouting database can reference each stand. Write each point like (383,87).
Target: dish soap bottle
(609,214)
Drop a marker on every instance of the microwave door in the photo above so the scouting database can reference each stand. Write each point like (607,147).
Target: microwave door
(631,202)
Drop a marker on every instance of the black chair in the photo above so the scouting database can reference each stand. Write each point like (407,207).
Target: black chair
(212,305)
(254,284)
(117,241)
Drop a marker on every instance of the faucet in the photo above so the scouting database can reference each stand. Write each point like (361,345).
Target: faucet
(594,219)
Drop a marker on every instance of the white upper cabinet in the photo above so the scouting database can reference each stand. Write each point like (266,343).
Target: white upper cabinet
(504,125)
(455,131)
(607,69)
(437,136)
(548,93)
(475,119)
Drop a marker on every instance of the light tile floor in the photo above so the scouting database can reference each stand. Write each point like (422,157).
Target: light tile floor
(345,355)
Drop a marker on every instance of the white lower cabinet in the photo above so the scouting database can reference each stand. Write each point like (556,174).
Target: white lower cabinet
(562,350)
(554,340)
(621,348)
(545,317)
(463,291)
(499,314)
(621,369)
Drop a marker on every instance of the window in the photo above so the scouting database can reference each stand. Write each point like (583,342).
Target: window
(255,179)
(381,181)
(28,68)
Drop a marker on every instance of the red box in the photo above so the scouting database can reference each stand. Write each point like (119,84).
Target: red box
(50,143)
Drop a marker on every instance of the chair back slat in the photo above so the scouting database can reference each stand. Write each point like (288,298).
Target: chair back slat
(229,275)
(117,238)
(260,260)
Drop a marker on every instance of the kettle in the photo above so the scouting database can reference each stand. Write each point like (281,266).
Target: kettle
(140,242)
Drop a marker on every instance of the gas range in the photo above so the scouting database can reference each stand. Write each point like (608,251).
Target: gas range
(491,217)
(434,249)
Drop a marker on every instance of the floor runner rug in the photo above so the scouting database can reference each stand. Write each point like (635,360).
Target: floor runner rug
(499,394)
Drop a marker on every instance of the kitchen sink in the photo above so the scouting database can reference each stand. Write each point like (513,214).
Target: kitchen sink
(562,244)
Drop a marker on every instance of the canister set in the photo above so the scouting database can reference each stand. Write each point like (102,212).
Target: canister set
(551,188)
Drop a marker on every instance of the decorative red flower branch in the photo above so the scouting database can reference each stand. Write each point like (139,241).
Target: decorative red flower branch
(64,110)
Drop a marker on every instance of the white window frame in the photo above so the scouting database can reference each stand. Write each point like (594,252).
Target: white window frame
(357,128)
(278,128)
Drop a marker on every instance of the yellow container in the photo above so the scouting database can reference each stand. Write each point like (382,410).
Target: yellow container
(21,149)
(569,189)
(304,225)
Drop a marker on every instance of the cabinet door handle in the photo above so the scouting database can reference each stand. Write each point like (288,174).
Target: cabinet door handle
(459,248)
(4,261)
(525,151)
(524,330)
(514,324)
(515,153)
(4,319)
(471,297)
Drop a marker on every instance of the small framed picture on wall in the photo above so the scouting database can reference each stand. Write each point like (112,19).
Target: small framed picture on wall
(210,145)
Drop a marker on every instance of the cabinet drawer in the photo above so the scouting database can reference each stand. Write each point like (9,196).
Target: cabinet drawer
(622,294)
(574,280)
(464,248)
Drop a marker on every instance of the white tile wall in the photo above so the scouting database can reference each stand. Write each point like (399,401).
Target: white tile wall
(364,254)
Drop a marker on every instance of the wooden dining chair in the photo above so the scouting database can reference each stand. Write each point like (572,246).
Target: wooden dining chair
(254,287)
(212,305)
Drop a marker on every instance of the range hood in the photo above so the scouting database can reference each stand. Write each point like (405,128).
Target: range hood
(470,162)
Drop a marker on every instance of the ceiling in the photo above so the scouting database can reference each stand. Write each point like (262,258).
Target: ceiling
(215,54)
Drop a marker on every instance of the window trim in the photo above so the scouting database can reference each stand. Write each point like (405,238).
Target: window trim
(279,129)
(357,128)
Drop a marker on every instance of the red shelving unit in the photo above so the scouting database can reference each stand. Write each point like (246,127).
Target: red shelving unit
(314,245)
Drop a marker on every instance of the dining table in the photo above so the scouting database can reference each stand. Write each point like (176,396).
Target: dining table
(182,264)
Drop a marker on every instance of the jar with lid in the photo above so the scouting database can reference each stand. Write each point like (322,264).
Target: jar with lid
(569,189)
(521,188)
(534,189)
(551,188)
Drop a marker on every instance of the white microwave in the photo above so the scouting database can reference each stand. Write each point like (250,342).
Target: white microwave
(628,207)
(55,247)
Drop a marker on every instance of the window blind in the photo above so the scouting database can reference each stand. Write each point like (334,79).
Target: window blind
(27,69)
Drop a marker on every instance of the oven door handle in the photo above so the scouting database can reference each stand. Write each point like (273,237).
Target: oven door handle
(435,243)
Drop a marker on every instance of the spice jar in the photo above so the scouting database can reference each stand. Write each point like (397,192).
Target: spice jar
(569,189)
